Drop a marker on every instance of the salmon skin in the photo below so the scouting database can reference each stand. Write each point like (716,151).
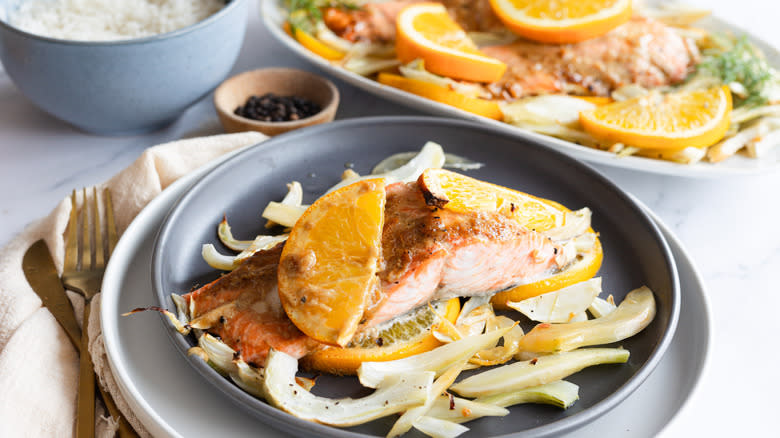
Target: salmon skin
(243,309)
(643,51)
(428,254)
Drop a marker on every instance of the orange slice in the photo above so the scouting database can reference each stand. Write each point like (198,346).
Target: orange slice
(407,337)
(482,107)
(426,31)
(584,268)
(561,21)
(327,271)
(313,44)
(658,121)
(461,193)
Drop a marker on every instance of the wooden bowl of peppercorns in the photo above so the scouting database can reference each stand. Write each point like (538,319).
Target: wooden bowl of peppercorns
(275,100)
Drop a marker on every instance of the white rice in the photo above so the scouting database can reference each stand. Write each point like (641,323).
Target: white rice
(109,20)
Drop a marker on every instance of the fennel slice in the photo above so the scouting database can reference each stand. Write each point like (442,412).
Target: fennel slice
(396,394)
(538,371)
(632,315)
(461,410)
(438,428)
(560,393)
(437,360)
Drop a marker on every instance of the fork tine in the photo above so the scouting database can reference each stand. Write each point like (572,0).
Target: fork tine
(85,241)
(110,224)
(71,248)
(100,262)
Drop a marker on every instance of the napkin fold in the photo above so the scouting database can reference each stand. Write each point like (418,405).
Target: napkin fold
(38,364)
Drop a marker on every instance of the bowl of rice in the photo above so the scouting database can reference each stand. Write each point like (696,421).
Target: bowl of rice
(119,67)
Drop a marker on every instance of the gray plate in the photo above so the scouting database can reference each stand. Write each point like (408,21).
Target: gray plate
(635,251)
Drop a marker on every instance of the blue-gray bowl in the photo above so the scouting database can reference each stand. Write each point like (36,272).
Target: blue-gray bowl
(123,87)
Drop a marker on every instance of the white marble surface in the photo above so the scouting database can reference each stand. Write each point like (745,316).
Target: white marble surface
(729,226)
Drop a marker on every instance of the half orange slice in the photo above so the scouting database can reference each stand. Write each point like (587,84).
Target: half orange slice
(426,31)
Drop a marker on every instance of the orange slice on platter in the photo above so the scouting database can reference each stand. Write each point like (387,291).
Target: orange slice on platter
(457,192)
(313,44)
(561,21)
(327,271)
(402,337)
(657,121)
(426,31)
(482,107)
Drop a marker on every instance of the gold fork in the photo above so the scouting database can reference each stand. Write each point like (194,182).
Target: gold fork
(86,255)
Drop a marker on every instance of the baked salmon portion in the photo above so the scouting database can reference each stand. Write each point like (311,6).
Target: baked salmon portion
(244,310)
(428,254)
(375,22)
(643,51)
(431,253)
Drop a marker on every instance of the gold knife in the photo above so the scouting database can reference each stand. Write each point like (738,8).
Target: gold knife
(41,274)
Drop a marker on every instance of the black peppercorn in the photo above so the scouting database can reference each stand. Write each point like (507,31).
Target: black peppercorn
(271,107)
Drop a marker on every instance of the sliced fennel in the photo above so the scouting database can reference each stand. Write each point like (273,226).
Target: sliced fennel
(410,417)
(282,214)
(451,161)
(551,109)
(226,237)
(431,155)
(561,305)
(416,70)
(397,393)
(575,223)
(294,197)
(632,315)
(537,371)
(217,260)
(601,307)
(558,393)
(438,428)
(437,360)
(461,410)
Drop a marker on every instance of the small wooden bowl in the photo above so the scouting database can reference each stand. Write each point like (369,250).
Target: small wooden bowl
(235,91)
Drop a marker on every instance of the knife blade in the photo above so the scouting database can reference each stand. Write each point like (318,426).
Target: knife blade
(39,269)
(41,274)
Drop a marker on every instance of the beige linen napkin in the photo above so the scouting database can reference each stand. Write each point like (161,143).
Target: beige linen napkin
(38,364)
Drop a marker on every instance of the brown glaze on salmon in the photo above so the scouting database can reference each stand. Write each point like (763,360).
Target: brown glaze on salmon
(643,52)
(243,308)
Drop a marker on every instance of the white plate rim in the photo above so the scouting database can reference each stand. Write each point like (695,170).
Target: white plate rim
(270,11)
(133,237)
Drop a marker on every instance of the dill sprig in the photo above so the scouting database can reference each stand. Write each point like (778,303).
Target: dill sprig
(742,63)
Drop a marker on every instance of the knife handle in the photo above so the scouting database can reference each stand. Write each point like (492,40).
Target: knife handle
(85,408)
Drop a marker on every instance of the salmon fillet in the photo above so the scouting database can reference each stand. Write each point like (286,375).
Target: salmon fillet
(643,51)
(428,254)
(432,254)
(244,310)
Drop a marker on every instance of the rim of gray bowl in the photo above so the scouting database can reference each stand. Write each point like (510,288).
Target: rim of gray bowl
(126,42)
